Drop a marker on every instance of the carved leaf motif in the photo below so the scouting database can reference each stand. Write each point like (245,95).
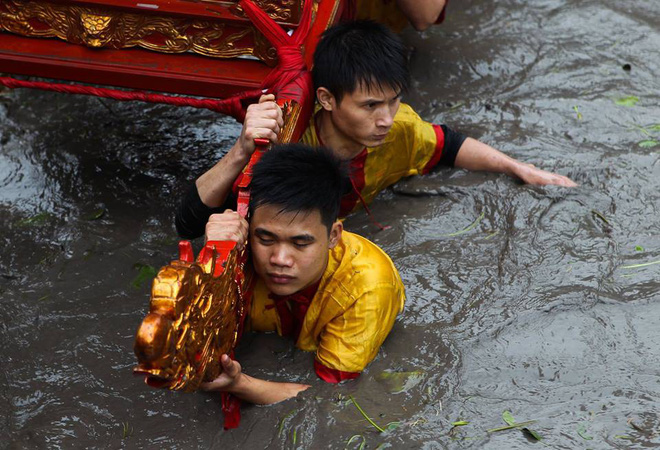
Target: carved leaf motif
(98,27)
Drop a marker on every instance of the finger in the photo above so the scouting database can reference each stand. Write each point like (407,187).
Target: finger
(267,98)
(230,367)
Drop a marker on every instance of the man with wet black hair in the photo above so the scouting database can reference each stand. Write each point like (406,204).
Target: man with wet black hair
(360,72)
(333,292)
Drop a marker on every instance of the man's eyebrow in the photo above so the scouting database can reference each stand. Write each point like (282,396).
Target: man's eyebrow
(264,233)
(380,100)
(303,237)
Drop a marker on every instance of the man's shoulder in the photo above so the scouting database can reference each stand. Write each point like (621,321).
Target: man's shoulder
(407,120)
(362,267)
(406,114)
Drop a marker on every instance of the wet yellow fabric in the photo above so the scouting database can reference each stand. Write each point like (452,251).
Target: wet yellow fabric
(353,311)
(409,147)
(384,11)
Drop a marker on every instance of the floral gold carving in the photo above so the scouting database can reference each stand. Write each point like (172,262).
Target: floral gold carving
(112,28)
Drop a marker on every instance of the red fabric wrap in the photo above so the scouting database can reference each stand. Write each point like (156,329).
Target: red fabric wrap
(439,146)
(291,63)
(333,375)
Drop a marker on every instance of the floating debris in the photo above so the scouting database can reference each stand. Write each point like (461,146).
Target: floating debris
(465,230)
(629,101)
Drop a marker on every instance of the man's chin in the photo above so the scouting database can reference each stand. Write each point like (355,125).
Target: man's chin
(282,289)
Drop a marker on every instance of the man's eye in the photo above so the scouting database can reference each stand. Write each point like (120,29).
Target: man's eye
(263,241)
(301,244)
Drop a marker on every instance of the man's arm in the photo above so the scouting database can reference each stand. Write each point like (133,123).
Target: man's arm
(421,13)
(212,190)
(262,120)
(253,390)
(475,155)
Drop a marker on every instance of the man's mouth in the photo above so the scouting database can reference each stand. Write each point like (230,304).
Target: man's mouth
(278,278)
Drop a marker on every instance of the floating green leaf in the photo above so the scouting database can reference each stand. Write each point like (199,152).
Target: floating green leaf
(365,415)
(600,216)
(582,431)
(577,111)
(511,427)
(508,418)
(623,436)
(96,215)
(465,230)
(127,430)
(649,143)
(38,219)
(392,426)
(397,382)
(146,272)
(629,101)
(355,437)
(279,433)
(460,423)
(532,434)
(636,266)
(654,127)
(639,248)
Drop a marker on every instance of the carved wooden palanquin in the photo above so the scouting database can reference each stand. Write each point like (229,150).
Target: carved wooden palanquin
(207,48)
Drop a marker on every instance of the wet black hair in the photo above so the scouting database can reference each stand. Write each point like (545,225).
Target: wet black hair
(360,53)
(300,178)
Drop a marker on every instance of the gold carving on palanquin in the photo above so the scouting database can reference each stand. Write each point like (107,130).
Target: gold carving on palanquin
(193,319)
(99,27)
(279,10)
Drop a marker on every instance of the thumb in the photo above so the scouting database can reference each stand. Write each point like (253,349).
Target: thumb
(267,98)
(230,367)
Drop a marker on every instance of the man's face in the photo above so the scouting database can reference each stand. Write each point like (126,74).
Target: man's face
(290,250)
(366,115)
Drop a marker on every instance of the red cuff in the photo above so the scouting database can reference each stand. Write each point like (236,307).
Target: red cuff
(439,146)
(333,375)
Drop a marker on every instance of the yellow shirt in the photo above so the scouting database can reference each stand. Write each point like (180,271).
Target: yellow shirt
(412,147)
(353,310)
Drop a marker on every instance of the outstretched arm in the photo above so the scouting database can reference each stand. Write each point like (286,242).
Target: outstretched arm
(421,13)
(262,120)
(250,389)
(475,155)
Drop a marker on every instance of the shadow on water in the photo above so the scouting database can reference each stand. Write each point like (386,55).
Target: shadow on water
(543,307)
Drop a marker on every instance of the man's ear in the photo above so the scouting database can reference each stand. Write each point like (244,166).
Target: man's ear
(325,99)
(335,234)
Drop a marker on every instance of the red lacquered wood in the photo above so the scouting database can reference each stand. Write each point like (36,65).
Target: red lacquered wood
(328,14)
(133,68)
(195,8)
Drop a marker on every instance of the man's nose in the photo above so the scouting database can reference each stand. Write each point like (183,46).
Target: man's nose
(385,119)
(281,257)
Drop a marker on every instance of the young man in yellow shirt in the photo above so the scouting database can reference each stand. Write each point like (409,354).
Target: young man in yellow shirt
(333,292)
(360,71)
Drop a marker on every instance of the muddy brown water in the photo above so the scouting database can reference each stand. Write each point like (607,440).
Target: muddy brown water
(532,310)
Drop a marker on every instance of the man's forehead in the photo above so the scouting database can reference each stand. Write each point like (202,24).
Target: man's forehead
(271,217)
(374,91)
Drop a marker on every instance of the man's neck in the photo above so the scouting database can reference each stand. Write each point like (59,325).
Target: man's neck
(341,145)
